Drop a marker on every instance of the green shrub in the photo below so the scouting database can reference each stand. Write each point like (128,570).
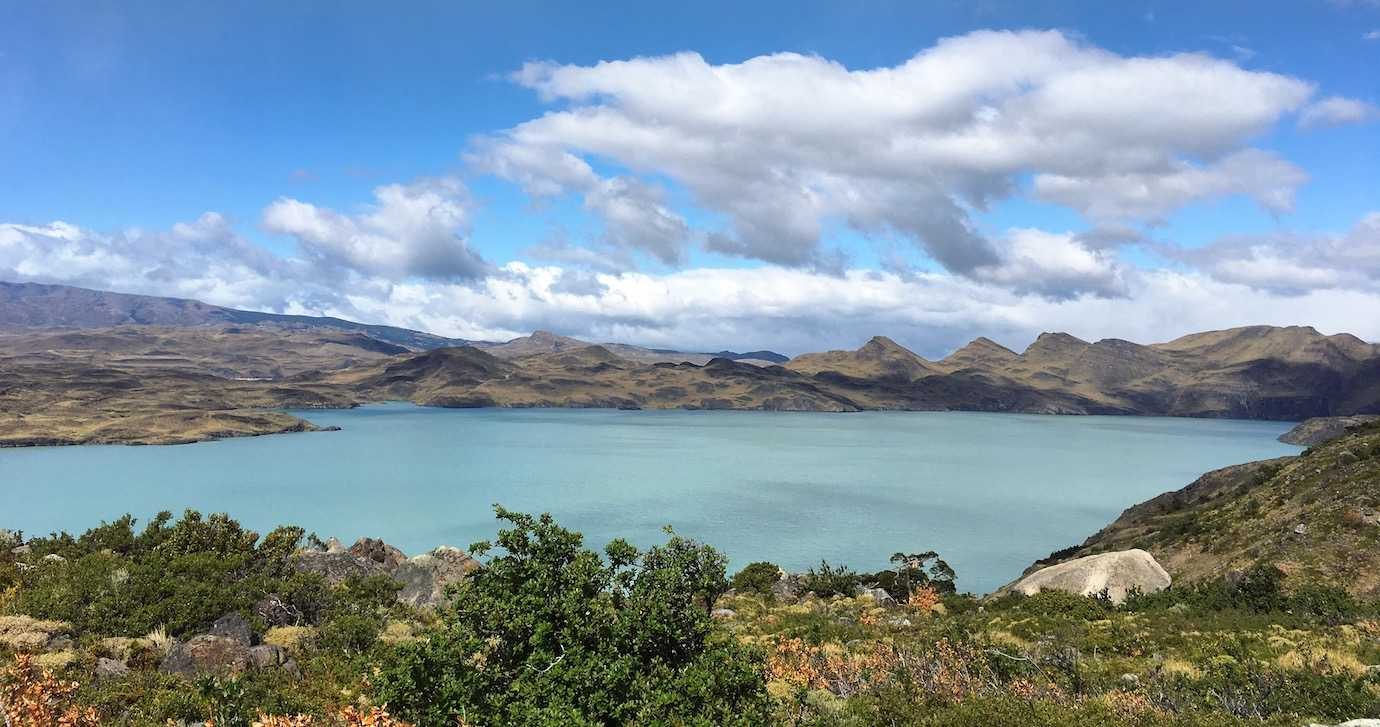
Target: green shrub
(549,632)
(830,580)
(756,578)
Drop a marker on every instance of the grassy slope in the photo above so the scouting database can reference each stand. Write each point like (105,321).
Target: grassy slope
(1231,518)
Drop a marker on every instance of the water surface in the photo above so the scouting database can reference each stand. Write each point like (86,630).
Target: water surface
(991,492)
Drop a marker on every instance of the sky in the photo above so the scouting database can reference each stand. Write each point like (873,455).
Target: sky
(796,176)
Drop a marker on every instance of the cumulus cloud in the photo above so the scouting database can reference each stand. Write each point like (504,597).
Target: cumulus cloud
(1295,264)
(410,230)
(203,259)
(788,309)
(1337,111)
(782,146)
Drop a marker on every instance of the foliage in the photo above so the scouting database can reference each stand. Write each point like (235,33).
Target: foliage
(33,697)
(756,578)
(830,580)
(548,632)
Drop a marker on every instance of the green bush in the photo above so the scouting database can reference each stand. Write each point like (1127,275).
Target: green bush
(756,578)
(549,632)
(830,580)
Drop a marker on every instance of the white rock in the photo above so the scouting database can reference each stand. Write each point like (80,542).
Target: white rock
(1117,573)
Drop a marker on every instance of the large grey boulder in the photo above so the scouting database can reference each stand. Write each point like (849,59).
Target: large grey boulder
(424,577)
(207,654)
(336,567)
(1117,573)
(379,552)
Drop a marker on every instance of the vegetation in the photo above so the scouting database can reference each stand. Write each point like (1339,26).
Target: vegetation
(549,631)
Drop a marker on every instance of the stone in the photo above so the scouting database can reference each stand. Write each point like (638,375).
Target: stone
(207,654)
(333,545)
(424,577)
(107,669)
(233,626)
(378,551)
(26,634)
(1130,680)
(54,558)
(21,551)
(1301,529)
(335,566)
(786,589)
(723,613)
(272,656)
(1117,573)
(898,622)
(881,597)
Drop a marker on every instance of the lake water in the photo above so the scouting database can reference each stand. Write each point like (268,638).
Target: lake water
(990,492)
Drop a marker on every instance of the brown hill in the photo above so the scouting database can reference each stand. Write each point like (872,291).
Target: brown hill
(879,358)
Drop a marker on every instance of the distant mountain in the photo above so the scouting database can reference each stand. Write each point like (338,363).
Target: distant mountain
(879,358)
(29,306)
(35,305)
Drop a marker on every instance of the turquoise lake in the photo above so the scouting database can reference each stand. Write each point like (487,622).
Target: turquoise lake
(990,492)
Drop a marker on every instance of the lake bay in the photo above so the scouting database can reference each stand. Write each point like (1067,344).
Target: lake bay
(990,492)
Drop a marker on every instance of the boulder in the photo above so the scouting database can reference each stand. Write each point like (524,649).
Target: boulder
(723,613)
(207,654)
(879,595)
(424,577)
(1117,573)
(107,669)
(335,566)
(54,558)
(272,656)
(333,545)
(233,626)
(25,634)
(379,552)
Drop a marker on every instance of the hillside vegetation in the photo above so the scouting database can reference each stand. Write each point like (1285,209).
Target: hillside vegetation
(1316,516)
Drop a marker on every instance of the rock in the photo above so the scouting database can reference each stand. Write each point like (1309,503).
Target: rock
(25,634)
(335,566)
(207,654)
(21,551)
(54,558)
(272,656)
(274,611)
(107,669)
(1116,572)
(1347,457)
(424,578)
(1130,680)
(723,613)
(786,589)
(379,552)
(881,597)
(1301,529)
(333,545)
(898,622)
(233,626)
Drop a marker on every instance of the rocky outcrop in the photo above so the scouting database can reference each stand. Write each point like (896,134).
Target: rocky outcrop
(1116,574)
(227,649)
(336,567)
(1318,430)
(31,635)
(424,578)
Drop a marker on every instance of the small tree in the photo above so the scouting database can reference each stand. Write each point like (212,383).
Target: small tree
(549,632)
(918,570)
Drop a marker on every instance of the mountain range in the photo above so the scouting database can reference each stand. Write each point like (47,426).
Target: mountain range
(86,366)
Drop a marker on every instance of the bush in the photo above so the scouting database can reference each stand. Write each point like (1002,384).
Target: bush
(831,580)
(756,578)
(549,632)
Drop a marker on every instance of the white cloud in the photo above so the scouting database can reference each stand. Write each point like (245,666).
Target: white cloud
(789,309)
(1336,111)
(1293,264)
(784,145)
(415,229)
(1372,35)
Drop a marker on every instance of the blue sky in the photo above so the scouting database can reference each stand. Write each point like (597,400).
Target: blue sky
(128,119)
